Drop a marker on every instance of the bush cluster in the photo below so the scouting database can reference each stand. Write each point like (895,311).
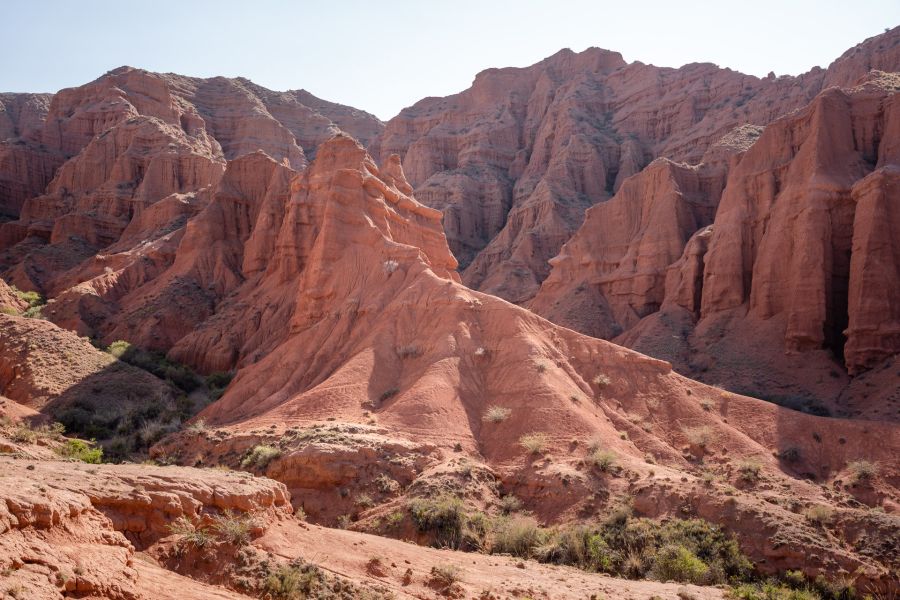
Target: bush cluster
(685,550)
(83,451)
(260,456)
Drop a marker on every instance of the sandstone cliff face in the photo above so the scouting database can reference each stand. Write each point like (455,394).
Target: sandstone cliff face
(792,249)
(785,232)
(133,156)
(359,353)
(317,251)
(514,161)
(26,165)
(78,535)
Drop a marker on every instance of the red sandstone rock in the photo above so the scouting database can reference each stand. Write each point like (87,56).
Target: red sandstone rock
(779,252)
(41,364)
(358,319)
(515,160)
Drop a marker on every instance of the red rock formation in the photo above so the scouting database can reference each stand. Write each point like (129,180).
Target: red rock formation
(797,250)
(26,166)
(147,152)
(515,160)
(358,319)
(45,367)
(78,535)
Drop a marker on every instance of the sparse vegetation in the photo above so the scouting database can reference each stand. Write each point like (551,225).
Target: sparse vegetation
(534,443)
(690,551)
(749,471)
(386,484)
(83,451)
(682,550)
(260,456)
(819,514)
(216,384)
(770,590)
(497,414)
(601,381)
(25,434)
(862,471)
(603,460)
(156,363)
(791,454)
(299,580)
(34,300)
(364,500)
(198,426)
(519,536)
(510,504)
(190,533)
(444,578)
(233,528)
(387,395)
(698,436)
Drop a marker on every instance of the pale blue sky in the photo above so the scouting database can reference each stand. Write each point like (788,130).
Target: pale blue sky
(382,55)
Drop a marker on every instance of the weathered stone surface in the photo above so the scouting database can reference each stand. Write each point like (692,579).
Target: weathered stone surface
(514,161)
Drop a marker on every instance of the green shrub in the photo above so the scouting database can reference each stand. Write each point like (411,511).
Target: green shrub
(287,582)
(118,348)
(83,451)
(232,528)
(34,299)
(445,517)
(216,384)
(677,563)
(770,591)
(34,312)
(748,472)
(260,456)
(9,310)
(510,504)
(604,460)
(862,471)
(519,536)
(577,545)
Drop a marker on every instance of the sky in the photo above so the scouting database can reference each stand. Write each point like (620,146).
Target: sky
(383,55)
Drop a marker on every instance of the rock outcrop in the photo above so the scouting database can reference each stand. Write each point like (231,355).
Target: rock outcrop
(240,230)
(798,246)
(43,366)
(359,354)
(514,161)
(69,529)
(132,157)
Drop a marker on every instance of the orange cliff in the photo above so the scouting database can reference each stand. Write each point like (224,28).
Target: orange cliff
(793,249)
(133,156)
(359,354)
(516,159)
